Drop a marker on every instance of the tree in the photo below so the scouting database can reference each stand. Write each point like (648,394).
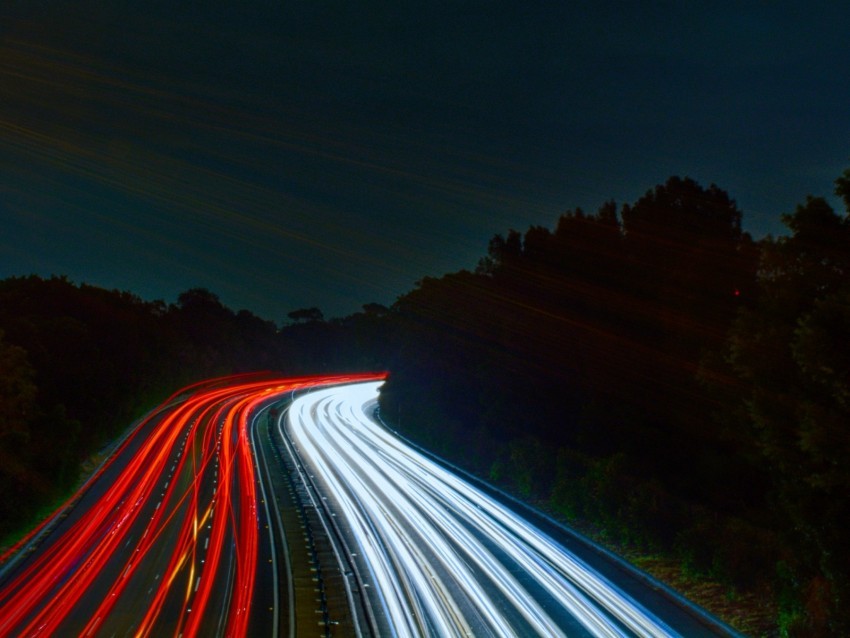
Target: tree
(842,187)
(306,315)
(791,355)
(17,410)
(17,392)
(682,208)
(687,245)
(375,310)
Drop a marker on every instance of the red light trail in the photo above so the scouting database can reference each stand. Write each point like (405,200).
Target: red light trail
(173,535)
(168,531)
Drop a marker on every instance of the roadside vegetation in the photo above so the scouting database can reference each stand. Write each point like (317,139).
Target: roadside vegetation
(655,374)
(648,373)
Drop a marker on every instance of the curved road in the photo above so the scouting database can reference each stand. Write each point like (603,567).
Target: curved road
(434,555)
(206,521)
(176,535)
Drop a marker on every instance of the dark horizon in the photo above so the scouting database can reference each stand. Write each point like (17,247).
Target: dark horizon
(665,380)
(315,155)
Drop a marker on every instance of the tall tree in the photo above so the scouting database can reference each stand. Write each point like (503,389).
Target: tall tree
(17,409)
(792,355)
(17,391)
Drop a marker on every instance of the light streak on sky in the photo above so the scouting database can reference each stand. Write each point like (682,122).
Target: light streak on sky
(351,152)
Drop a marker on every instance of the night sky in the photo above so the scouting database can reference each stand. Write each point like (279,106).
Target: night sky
(313,153)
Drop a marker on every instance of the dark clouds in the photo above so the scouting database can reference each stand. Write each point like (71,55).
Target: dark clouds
(331,153)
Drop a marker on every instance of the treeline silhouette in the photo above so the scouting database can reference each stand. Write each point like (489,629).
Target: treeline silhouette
(649,369)
(653,371)
(79,363)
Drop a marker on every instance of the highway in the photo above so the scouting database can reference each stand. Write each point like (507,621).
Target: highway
(433,555)
(175,535)
(264,506)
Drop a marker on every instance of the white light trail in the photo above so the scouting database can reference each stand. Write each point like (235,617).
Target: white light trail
(443,557)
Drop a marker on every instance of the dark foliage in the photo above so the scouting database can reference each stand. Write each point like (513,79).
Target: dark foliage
(650,370)
(659,374)
(791,352)
(78,363)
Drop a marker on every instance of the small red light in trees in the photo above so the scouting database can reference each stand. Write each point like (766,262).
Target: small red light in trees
(737,292)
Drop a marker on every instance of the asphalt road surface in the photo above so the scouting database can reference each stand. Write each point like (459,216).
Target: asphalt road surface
(223,513)
(434,555)
(174,536)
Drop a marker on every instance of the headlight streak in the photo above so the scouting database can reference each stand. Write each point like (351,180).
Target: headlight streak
(174,537)
(370,543)
(417,525)
(406,566)
(427,500)
(180,523)
(540,548)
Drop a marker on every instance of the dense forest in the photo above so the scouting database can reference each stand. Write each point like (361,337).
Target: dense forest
(78,363)
(655,372)
(648,369)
